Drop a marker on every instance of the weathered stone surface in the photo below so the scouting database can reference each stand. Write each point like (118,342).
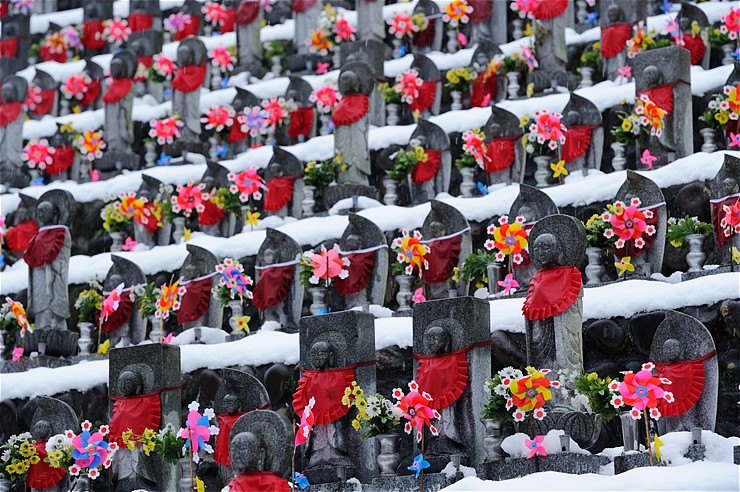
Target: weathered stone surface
(429,72)
(434,138)
(198,264)
(279,248)
(129,274)
(581,112)
(286,165)
(504,124)
(360,235)
(630,461)
(271,451)
(14,89)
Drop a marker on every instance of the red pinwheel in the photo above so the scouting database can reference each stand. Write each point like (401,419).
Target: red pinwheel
(415,408)
(307,421)
(327,265)
(111,302)
(188,198)
(198,431)
(247,184)
(642,391)
(232,276)
(629,224)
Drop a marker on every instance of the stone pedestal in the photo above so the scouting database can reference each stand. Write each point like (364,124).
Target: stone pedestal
(630,461)
(573,463)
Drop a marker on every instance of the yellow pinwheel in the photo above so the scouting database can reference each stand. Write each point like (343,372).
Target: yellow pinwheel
(242,323)
(558,169)
(735,255)
(252,218)
(624,265)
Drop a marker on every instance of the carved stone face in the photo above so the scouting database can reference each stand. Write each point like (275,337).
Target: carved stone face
(268,257)
(115,280)
(185,55)
(730,186)
(614,14)
(353,242)
(117,68)
(322,355)
(528,213)
(496,130)
(684,23)
(56,140)
(481,59)
(653,76)
(349,83)
(92,11)
(547,250)
(572,118)
(8,92)
(672,350)
(42,430)
(192,269)
(436,229)
(46,214)
(248,453)
(276,169)
(231,403)
(437,340)
(129,383)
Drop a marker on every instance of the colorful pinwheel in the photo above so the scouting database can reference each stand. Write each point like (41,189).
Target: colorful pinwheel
(111,302)
(38,153)
(222,58)
(188,198)
(198,431)
(325,265)
(325,98)
(419,464)
(402,25)
(218,117)
(535,446)
(19,312)
(414,407)
(307,421)
(116,30)
(457,12)
(475,145)
(168,300)
(530,393)
(91,451)
(408,84)
(76,86)
(91,144)
(509,284)
(642,391)
(510,239)
(410,251)
(246,184)
(165,130)
(233,278)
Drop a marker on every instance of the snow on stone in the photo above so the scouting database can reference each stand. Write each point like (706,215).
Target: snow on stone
(516,448)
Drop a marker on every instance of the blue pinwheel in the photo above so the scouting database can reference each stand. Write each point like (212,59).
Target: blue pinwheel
(592,18)
(482,188)
(224,82)
(197,431)
(38,181)
(221,151)
(164,159)
(666,7)
(301,480)
(419,464)
(324,310)
(736,54)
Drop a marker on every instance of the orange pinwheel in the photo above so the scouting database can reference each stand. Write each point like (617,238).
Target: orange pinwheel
(531,391)
(169,301)
(20,315)
(411,251)
(510,238)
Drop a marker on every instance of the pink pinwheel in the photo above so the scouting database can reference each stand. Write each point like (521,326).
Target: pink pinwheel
(222,58)
(232,276)
(535,446)
(525,8)
(529,58)
(247,184)
(166,340)
(165,130)
(402,25)
(549,127)
(642,391)
(734,140)
(129,244)
(408,84)
(218,117)
(415,408)
(188,198)
(253,121)
(325,98)
(17,354)
(625,71)
(629,224)
(215,13)
(38,153)
(418,296)
(731,23)
(509,284)
(307,421)
(116,30)
(327,265)
(76,86)
(164,66)
(731,220)
(475,145)
(648,159)
(322,68)
(198,431)
(274,111)
(91,451)
(176,22)
(111,302)
(343,30)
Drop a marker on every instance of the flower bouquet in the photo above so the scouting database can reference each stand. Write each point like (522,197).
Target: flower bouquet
(376,414)
(18,454)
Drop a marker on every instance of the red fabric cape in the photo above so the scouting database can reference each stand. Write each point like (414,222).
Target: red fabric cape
(9,112)
(483,87)
(4,9)
(119,317)
(189,78)
(687,377)
(301,122)
(360,268)
(442,259)
(196,300)
(696,47)
(501,153)
(61,159)
(246,12)
(45,247)
(19,237)
(191,28)
(229,21)
(259,481)
(552,291)
(226,422)
(717,215)
(526,259)
(92,94)
(481,10)
(139,21)
(136,413)
(444,377)
(351,109)
(300,6)
(117,90)
(272,287)
(42,475)
(427,94)
(48,55)
(236,134)
(425,37)
(327,387)
(549,9)
(47,101)
(8,48)
(577,140)
(614,39)
(152,223)
(279,193)
(662,95)
(211,215)
(629,247)
(425,171)
(146,60)
(92,35)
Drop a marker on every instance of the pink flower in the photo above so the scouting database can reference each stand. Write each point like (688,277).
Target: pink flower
(176,22)
(630,224)
(274,111)
(221,57)
(197,431)
(164,65)
(38,153)
(165,130)
(415,408)
(76,86)
(325,98)
(214,13)
(732,22)
(625,71)
(343,30)
(550,126)
(407,84)
(648,159)
(322,68)
(524,7)
(402,25)
(219,117)
(535,446)
(246,183)
(418,296)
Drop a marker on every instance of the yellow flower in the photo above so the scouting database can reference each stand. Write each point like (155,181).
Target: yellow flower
(26,449)
(34,459)
(530,89)
(148,447)
(626,125)
(361,404)
(344,168)
(199,485)
(346,401)
(187,233)
(592,376)
(358,392)
(452,78)
(695,29)
(148,434)
(76,109)
(524,121)
(528,29)
(338,158)
(456,275)
(242,323)
(310,165)
(252,218)
(479,285)
(735,255)
(356,424)
(103,348)
(421,156)
(66,128)
(722,117)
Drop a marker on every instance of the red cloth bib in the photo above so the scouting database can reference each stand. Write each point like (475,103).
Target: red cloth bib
(483,87)
(45,246)
(717,215)
(48,55)
(117,90)
(426,171)
(19,237)
(687,377)
(42,475)
(696,47)
(211,215)
(236,134)
(327,387)
(9,112)
(577,140)
(4,9)
(152,223)
(189,78)
(301,122)
(119,317)
(47,101)
(92,35)
(444,377)
(196,300)
(61,159)
(300,6)
(247,12)
(279,193)
(360,268)
(481,10)
(136,413)
(442,259)
(272,287)
(614,39)
(226,422)
(351,109)
(549,9)
(139,21)
(552,291)
(501,153)
(630,249)
(662,96)
(427,94)
(426,37)
(8,48)
(190,28)
(230,17)
(259,481)
(92,94)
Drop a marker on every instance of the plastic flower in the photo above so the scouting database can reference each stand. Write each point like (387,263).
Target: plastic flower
(116,30)
(647,158)
(37,153)
(188,198)
(176,22)
(55,43)
(91,451)
(319,43)
(414,407)
(558,169)
(219,117)
(548,127)
(307,421)
(164,66)
(411,251)
(215,13)
(168,300)
(407,84)
(625,71)
(232,276)
(402,26)
(325,98)
(111,302)
(91,144)
(76,86)
(247,184)
(629,224)
(475,145)
(731,23)
(528,56)
(531,391)
(17,354)
(642,390)
(327,265)
(222,58)
(525,8)
(275,111)
(253,121)
(165,130)
(418,296)
(624,265)
(535,446)
(19,312)
(252,218)
(198,431)
(650,114)
(509,284)
(457,12)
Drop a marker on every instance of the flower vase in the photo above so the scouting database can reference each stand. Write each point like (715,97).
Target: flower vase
(336,59)
(244,209)
(392,111)
(308,200)
(581,12)
(595,269)
(542,174)
(277,65)
(586,77)
(727,50)
(156,333)
(231,225)
(150,157)
(468,183)
(405,283)
(215,78)
(156,89)
(325,118)
(117,238)
(390,185)
(456,101)
(708,135)
(184,482)
(213,147)
(236,312)
(517,33)
(318,300)
(619,162)
(452,42)
(179,233)
(493,439)
(84,341)
(695,257)
(396,48)
(82,484)
(164,233)
(512,89)
(388,458)
(494,272)
(64,107)
(630,431)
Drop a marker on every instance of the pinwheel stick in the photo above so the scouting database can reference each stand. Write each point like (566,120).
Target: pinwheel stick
(647,436)
(192,482)
(421,476)
(292,460)
(161,329)
(100,331)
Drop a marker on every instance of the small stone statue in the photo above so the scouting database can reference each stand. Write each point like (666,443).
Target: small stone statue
(94,13)
(12,115)
(51,417)
(550,47)
(689,18)
(351,121)
(430,39)
(503,160)
(15,41)
(430,93)
(284,181)
(144,16)
(249,48)
(584,140)
(615,31)
(303,116)
(371,51)
(306,15)
(199,306)
(432,177)
(485,88)
(119,128)
(126,324)
(725,191)
(372,25)
(191,60)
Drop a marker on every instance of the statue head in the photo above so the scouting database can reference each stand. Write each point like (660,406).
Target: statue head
(92,11)
(115,280)
(729,186)
(684,23)
(349,83)
(268,257)
(56,140)
(8,92)
(436,229)
(548,250)
(210,182)
(185,55)
(292,94)
(481,59)
(614,14)
(230,403)
(672,350)
(353,242)
(572,118)
(42,430)
(146,193)
(46,214)
(653,76)
(130,383)
(247,453)
(527,212)
(117,68)
(437,340)
(138,5)
(322,355)
(495,129)
(276,169)
(193,267)
(138,46)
